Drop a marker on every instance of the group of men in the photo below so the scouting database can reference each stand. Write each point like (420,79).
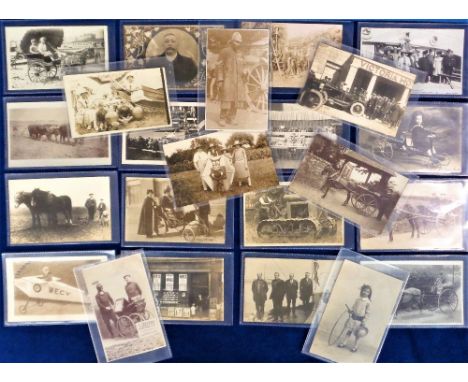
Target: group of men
(106,303)
(153,211)
(385,109)
(92,206)
(281,289)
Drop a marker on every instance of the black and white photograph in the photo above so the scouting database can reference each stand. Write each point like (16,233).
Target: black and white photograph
(433,295)
(123,307)
(437,52)
(188,288)
(291,130)
(37,57)
(238,75)
(146,147)
(357,89)
(116,101)
(38,135)
(278,217)
(184,46)
(348,183)
(151,216)
(219,165)
(40,288)
(356,316)
(292,46)
(282,290)
(429,216)
(59,210)
(429,141)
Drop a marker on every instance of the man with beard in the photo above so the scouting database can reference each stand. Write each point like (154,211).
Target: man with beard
(185,69)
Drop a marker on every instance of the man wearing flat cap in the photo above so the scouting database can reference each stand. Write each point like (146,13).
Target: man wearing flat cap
(230,80)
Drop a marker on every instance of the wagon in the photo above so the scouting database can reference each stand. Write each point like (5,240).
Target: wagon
(129,314)
(40,69)
(257,81)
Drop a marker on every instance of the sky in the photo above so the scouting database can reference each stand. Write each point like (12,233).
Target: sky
(37,112)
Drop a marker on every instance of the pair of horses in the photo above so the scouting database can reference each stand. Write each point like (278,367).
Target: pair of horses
(44,202)
(60,133)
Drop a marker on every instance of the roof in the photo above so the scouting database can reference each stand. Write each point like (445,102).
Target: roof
(367,163)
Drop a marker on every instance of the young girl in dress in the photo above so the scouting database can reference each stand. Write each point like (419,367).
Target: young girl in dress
(359,313)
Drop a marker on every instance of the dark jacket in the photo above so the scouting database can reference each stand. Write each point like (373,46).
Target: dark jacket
(277,290)
(104,301)
(145,226)
(184,68)
(259,290)
(306,287)
(291,288)
(132,289)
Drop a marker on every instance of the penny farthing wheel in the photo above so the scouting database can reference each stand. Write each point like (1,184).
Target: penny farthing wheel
(257,87)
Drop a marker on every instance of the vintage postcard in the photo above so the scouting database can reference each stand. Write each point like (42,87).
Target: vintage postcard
(348,183)
(280,218)
(146,147)
(183,46)
(433,294)
(357,89)
(38,135)
(59,210)
(41,287)
(238,75)
(123,306)
(291,130)
(437,52)
(38,56)
(111,102)
(292,46)
(429,141)
(282,290)
(150,215)
(429,216)
(219,165)
(188,288)
(355,319)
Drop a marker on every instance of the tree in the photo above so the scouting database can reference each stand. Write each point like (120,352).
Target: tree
(243,138)
(205,143)
(262,141)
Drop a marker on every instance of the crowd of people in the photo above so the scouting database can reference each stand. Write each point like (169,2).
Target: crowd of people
(221,166)
(282,290)
(385,109)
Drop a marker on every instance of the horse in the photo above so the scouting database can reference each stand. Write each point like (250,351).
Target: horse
(331,182)
(26,198)
(52,205)
(405,213)
(410,298)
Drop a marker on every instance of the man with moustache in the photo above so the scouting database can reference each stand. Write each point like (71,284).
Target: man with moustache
(184,68)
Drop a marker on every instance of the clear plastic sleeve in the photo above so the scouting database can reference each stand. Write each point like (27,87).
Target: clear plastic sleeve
(123,314)
(358,303)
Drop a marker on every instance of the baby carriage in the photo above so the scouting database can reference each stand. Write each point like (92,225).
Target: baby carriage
(129,313)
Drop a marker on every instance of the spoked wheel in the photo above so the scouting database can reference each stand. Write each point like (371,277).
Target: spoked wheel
(37,72)
(357,109)
(126,326)
(382,149)
(257,88)
(366,204)
(448,301)
(136,317)
(312,99)
(427,225)
(338,328)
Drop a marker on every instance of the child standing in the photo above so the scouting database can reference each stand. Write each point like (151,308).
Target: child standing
(359,313)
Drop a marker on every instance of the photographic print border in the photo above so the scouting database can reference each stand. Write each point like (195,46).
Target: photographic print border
(111,37)
(110,254)
(228,264)
(113,189)
(229,228)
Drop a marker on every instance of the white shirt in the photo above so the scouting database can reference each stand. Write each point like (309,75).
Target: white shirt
(199,160)
(361,307)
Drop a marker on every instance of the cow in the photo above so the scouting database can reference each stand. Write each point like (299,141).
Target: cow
(52,205)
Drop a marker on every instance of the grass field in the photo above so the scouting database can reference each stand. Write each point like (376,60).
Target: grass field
(188,188)
(21,231)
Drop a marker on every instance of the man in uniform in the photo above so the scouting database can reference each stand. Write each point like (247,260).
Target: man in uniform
(105,302)
(91,207)
(306,291)
(291,287)
(260,290)
(277,296)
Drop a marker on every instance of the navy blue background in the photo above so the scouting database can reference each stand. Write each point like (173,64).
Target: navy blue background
(208,343)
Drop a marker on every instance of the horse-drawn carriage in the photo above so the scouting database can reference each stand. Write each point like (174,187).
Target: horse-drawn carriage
(129,314)
(257,81)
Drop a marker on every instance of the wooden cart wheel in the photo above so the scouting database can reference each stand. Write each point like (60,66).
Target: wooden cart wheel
(366,204)
(37,72)
(257,88)
(126,326)
(382,149)
(448,301)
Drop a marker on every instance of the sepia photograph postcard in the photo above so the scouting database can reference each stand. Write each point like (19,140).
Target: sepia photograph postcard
(348,183)
(219,165)
(122,307)
(49,210)
(433,295)
(146,147)
(437,52)
(40,287)
(282,291)
(238,75)
(151,217)
(37,57)
(356,89)
(115,101)
(183,46)
(189,289)
(429,141)
(291,130)
(355,318)
(277,217)
(292,46)
(38,135)
(429,216)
